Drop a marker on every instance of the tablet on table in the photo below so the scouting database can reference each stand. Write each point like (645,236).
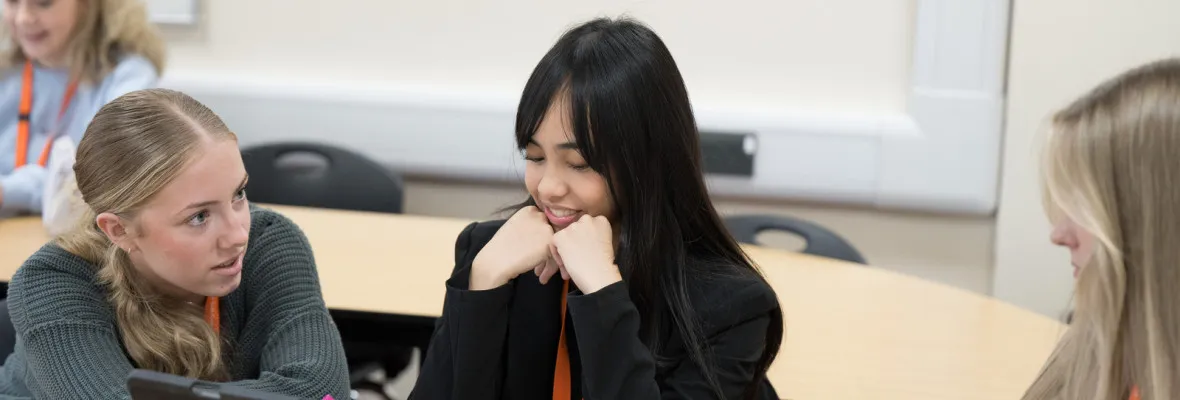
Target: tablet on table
(151,385)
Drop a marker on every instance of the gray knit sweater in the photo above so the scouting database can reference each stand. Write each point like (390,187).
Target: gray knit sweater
(281,335)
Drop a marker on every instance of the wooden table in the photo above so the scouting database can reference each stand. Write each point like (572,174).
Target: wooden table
(852,332)
(864,333)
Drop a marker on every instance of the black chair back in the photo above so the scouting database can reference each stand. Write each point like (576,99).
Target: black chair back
(820,240)
(325,176)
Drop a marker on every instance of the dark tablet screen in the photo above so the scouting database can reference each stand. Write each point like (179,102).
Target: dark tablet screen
(150,385)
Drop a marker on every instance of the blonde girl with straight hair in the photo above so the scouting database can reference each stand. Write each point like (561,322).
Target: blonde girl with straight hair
(1112,188)
(61,60)
(171,270)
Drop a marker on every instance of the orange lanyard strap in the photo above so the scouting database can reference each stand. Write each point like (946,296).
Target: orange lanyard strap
(26,114)
(26,109)
(213,313)
(561,372)
(1134,393)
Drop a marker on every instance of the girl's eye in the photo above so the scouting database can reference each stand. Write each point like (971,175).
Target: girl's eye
(199,219)
(240,195)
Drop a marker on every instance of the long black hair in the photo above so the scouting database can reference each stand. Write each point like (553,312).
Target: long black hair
(632,122)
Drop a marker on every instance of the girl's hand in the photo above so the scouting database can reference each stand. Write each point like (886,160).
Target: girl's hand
(547,270)
(587,253)
(521,245)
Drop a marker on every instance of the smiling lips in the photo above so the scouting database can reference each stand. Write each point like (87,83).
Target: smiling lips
(36,37)
(561,217)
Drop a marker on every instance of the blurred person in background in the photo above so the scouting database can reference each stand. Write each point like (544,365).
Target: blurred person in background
(64,60)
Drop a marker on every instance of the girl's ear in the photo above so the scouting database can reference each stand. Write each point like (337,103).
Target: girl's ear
(116,230)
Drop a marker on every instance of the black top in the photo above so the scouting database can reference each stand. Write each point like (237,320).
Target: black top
(502,343)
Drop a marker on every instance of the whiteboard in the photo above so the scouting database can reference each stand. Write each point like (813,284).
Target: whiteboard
(169,12)
(172,12)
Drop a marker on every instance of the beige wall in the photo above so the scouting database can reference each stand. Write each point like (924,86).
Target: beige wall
(861,63)
(1059,49)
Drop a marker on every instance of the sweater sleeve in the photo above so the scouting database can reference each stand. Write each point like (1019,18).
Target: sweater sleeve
(465,359)
(617,365)
(21,190)
(133,73)
(303,355)
(70,343)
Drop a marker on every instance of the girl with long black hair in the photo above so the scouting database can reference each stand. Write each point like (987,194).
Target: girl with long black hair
(655,298)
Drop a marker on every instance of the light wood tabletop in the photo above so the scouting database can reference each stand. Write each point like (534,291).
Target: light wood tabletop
(852,332)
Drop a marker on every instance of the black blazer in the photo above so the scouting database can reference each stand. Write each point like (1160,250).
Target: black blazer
(502,343)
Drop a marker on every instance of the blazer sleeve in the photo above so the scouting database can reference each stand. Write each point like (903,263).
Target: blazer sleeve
(617,365)
(465,359)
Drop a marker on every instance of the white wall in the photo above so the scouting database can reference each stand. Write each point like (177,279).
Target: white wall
(1060,49)
(846,55)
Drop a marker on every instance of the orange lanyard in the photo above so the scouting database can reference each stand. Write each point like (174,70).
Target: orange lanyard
(561,371)
(1135,393)
(26,113)
(213,313)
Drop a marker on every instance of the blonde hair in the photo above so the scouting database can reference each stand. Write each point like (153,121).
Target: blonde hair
(134,147)
(105,31)
(1111,166)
